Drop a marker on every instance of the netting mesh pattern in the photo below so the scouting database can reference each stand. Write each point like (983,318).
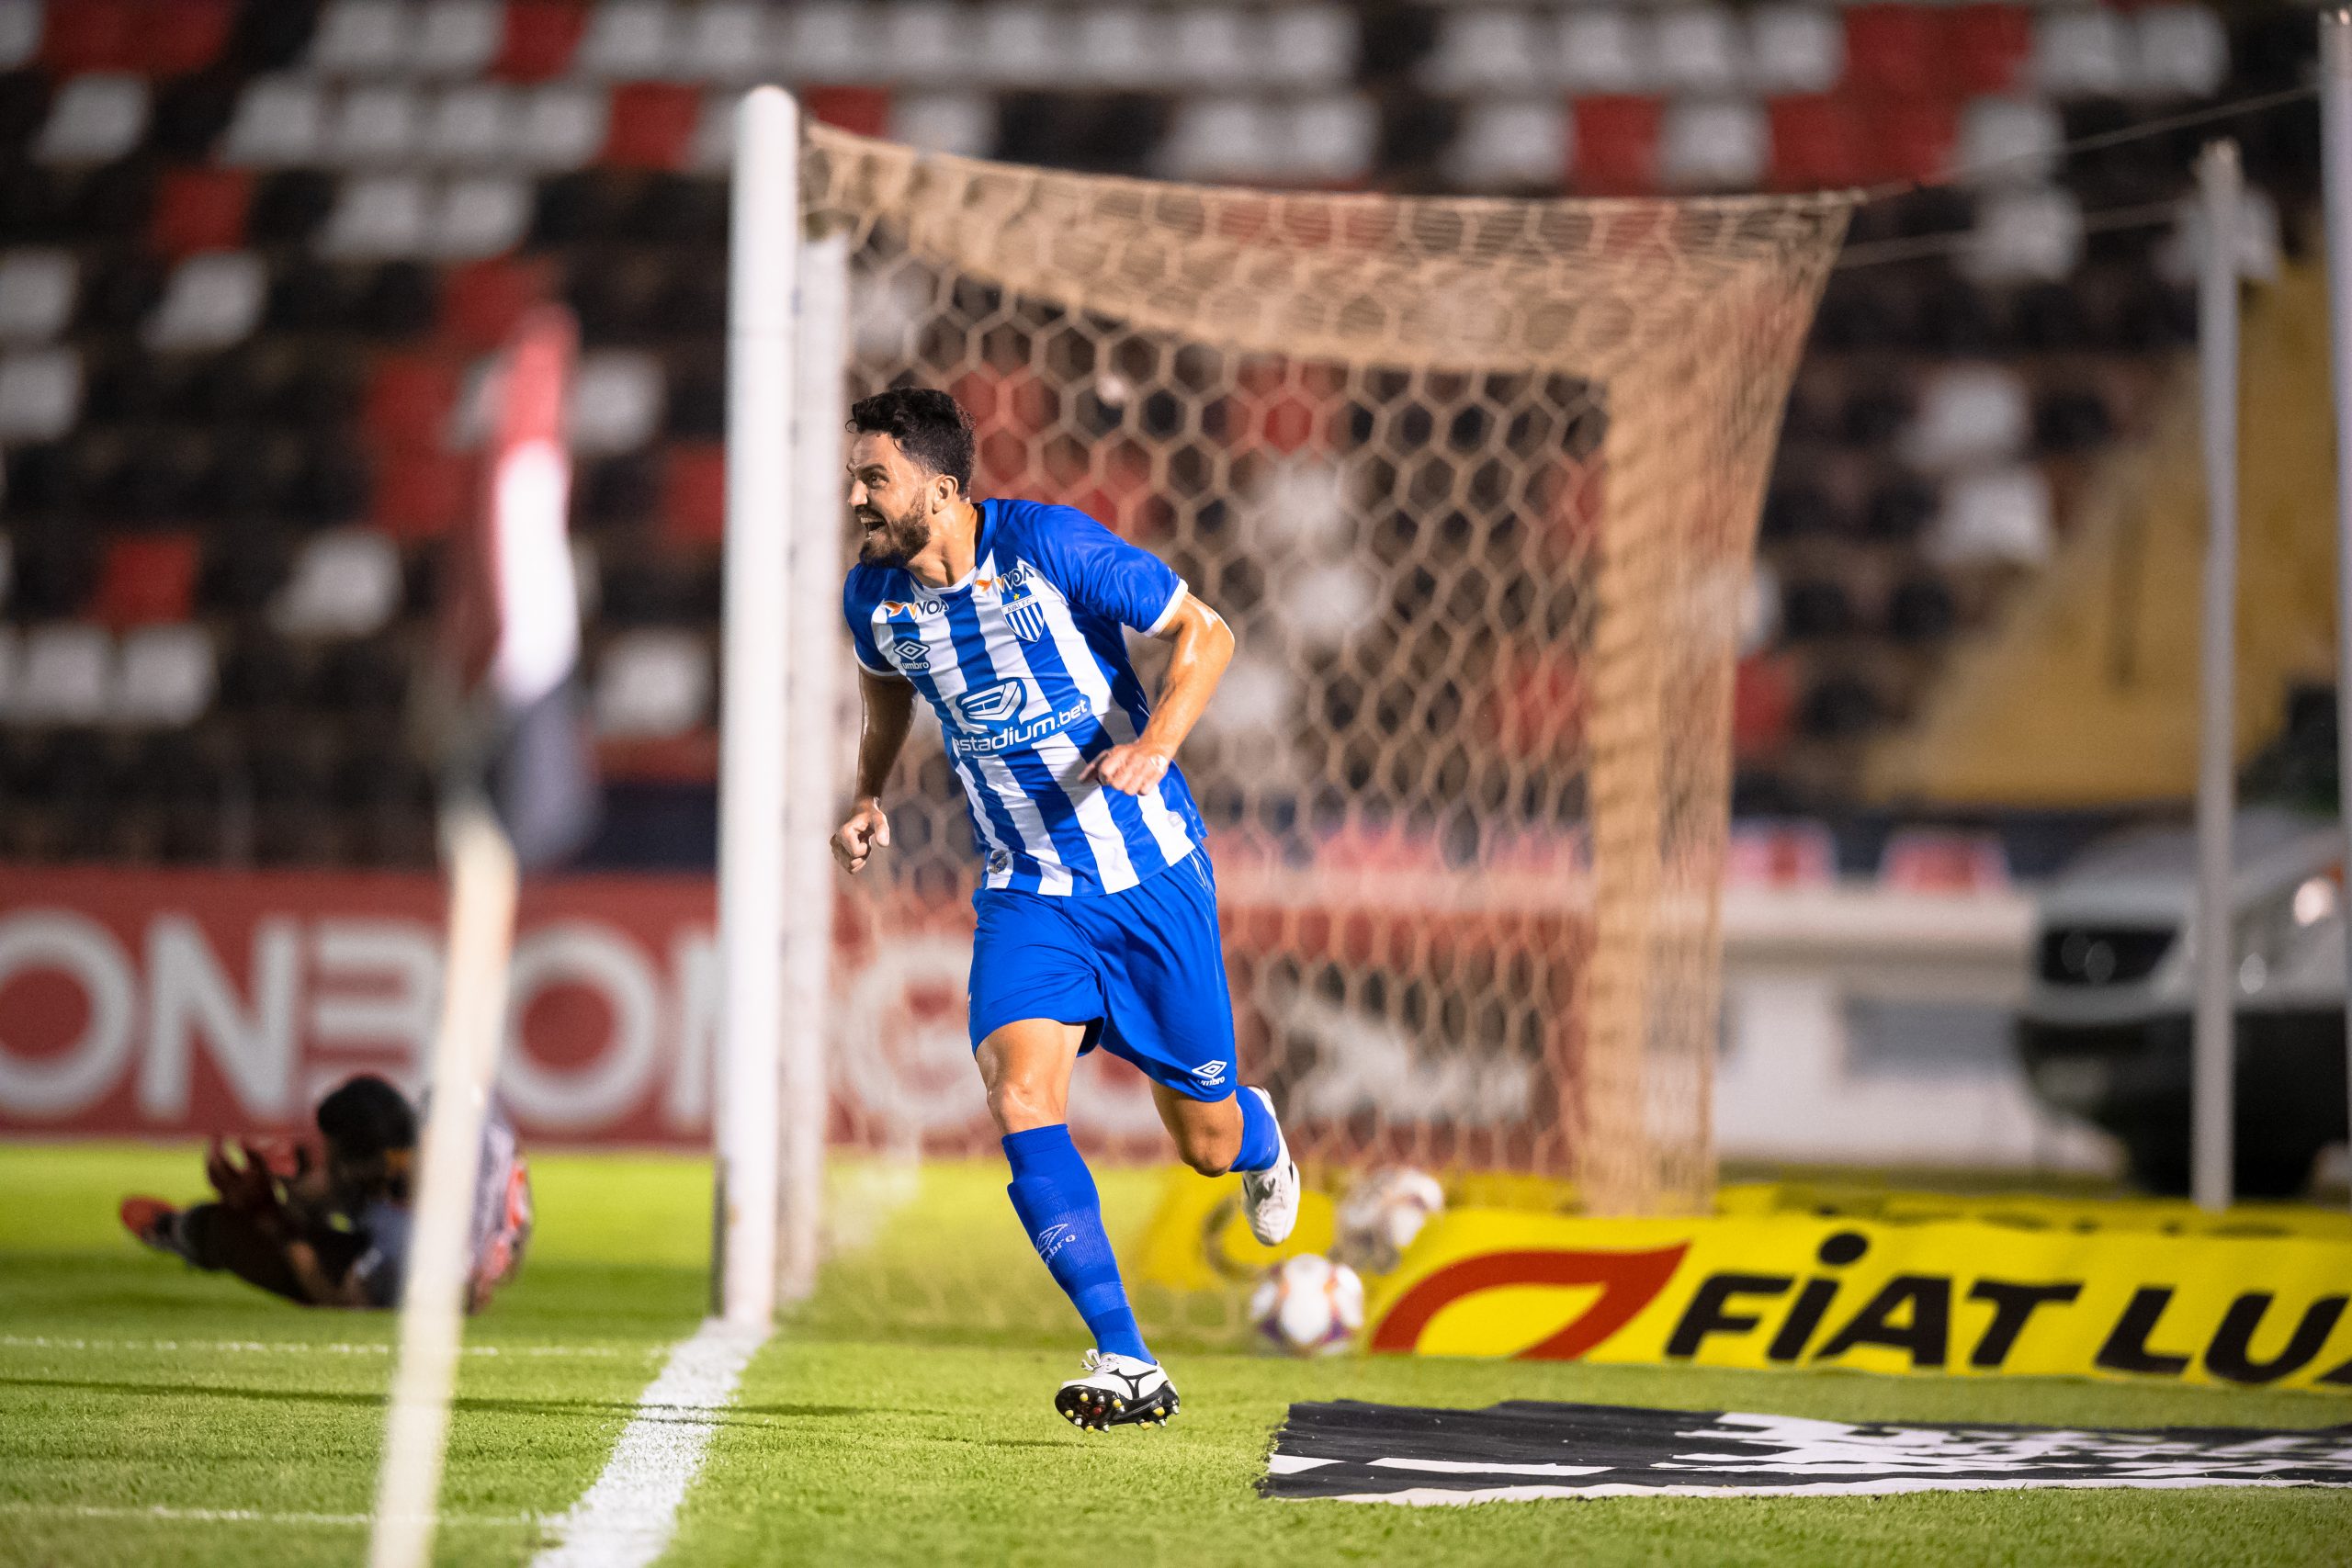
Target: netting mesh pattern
(1474,482)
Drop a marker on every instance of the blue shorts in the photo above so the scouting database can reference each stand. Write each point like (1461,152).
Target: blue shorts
(1142,969)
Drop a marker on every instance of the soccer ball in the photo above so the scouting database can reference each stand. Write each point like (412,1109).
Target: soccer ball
(1308,1305)
(1381,1215)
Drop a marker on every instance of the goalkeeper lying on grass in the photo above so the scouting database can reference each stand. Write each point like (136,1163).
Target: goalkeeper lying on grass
(327,1223)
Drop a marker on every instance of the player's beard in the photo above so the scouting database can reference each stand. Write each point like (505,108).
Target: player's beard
(891,541)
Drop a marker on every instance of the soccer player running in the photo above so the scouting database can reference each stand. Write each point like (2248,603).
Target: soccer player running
(1098,905)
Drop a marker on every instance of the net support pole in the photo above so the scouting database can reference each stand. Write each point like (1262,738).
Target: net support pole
(2336,164)
(2217,358)
(433,1297)
(760,386)
(811,780)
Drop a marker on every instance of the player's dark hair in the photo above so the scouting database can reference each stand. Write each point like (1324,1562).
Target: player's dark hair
(367,1119)
(929,427)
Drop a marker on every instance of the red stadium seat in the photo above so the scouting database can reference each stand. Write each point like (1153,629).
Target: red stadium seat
(694,493)
(147,579)
(201,209)
(91,35)
(864,110)
(1987,46)
(1896,48)
(409,400)
(180,36)
(1816,143)
(652,125)
(1911,138)
(1616,145)
(421,493)
(482,301)
(540,39)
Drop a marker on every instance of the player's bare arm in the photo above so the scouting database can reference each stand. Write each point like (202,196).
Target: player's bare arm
(1203,647)
(889,705)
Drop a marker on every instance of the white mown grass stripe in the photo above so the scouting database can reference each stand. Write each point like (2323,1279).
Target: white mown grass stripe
(626,1519)
(300,1347)
(166,1515)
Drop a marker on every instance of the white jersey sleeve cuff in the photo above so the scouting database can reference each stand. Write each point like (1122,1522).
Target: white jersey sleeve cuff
(1168,612)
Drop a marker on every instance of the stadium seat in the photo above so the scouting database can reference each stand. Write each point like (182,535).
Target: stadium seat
(1215,139)
(1969,416)
(560,125)
(1616,145)
(470,124)
(62,672)
(653,684)
(2000,516)
(728,41)
(652,125)
(1909,137)
(420,495)
(961,123)
(1713,146)
(479,214)
(457,40)
(89,35)
(37,292)
(694,495)
(200,210)
(928,40)
(1209,46)
(1119,46)
(540,39)
(1989,45)
(20,31)
(212,301)
(482,300)
(378,125)
(1310,45)
(1818,144)
(2029,235)
(1484,50)
(2082,51)
(147,578)
(40,393)
(279,122)
(93,118)
(2009,141)
(1896,51)
(1509,145)
(1325,139)
(864,110)
(344,584)
(363,39)
(616,403)
(1601,50)
(2183,52)
(1794,48)
(164,675)
(1699,49)
(1015,45)
(629,41)
(379,216)
(176,36)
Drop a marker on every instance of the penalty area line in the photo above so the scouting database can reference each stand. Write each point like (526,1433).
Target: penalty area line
(163,1513)
(627,1518)
(300,1347)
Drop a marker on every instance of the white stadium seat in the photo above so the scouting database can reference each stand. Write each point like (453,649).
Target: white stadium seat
(1998,516)
(922,40)
(37,292)
(374,126)
(1969,416)
(345,584)
(629,41)
(616,403)
(40,393)
(1604,51)
(1697,48)
(378,217)
(2183,52)
(458,38)
(1794,49)
(2009,141)
(832,40)
(2032,235)
(213,300)
(1311,45)
(1217,139)
(164,675)
(479,214)
(20,29)
(1021,45)
(1119,46)
(1721,145)
(652,684)
(962,123)
(61,674)
(1509,144)
(93,118)
(279,121)
(1330,138)
(1209,46)
(363,39)
(1489,51)
(728,41)
(2082,51)
(561,126)
(470,125)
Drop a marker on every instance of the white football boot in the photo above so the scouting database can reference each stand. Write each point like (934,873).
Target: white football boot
(1117,1391)
(1270,1196)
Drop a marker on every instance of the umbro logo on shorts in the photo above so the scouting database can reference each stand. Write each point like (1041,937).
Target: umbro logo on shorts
(1211,1074)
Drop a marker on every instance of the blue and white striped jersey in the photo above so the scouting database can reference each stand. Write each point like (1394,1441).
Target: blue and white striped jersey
(1026,665)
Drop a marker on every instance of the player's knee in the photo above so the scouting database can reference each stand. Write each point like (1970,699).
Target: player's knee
(1210,1152)
(1019,1105)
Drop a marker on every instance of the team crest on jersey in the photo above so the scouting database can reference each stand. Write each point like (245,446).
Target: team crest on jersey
(1026,617)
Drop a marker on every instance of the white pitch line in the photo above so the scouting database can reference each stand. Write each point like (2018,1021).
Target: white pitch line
(300,1347)
(249,1516)
(626,1519)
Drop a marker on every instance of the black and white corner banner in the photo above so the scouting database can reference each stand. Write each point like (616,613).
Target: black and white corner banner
(1386,1453)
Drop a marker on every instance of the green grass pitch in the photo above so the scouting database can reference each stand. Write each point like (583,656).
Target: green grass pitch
(870,1431)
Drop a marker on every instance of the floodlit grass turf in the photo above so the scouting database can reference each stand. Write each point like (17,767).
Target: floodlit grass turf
(861,1437)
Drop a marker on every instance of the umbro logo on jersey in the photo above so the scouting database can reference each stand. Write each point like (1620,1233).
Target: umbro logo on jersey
(911,653)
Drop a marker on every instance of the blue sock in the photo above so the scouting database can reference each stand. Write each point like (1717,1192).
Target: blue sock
(1053,1194)
(1261,1140)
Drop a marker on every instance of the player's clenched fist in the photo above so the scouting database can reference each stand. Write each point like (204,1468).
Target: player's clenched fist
(1131,769)
(866,830)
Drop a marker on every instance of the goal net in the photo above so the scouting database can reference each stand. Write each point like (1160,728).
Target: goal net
(1474,482)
